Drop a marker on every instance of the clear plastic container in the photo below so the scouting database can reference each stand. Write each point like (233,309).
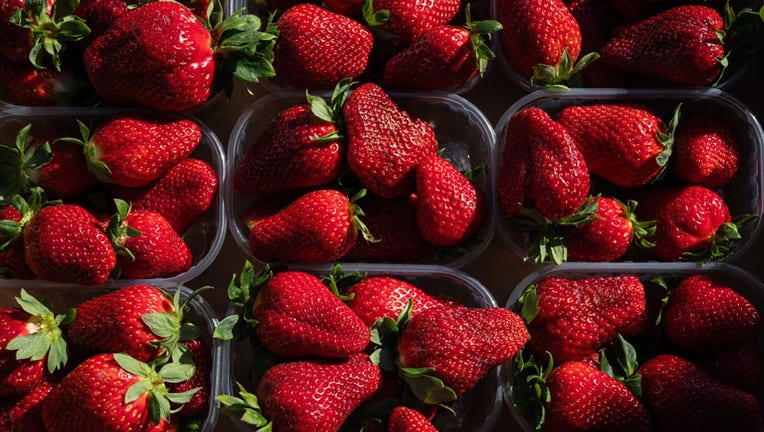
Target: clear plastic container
(460,127)
(200,313)
(741,281)
(476,410)
(744,194)
(204,238)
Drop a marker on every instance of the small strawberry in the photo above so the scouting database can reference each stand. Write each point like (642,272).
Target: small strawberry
(624,144)
(707,152)
(300,148)
(24,414)
(404,419)
(704,314)
(385,143)
(738,367)
(200,400)
(402,22)
(12,264)
(317,48)
(682,397)
(450,209)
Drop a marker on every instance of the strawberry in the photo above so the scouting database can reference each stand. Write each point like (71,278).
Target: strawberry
(317,48)
(385,144)
(12,264)
(707,152)
(24,414)
(609,235)
(320,226)
(113,393)
(704,314)
(442,58)
(404,419)
(31,86)
(625,145)
(100,14)
(66,243)
(404,21)
(738,367)
(199,402)
(350,8)
(692,223)
(573,318)
(681,46)
(450,209)
(382,296)
(300,148)
(682,397)
(138,59)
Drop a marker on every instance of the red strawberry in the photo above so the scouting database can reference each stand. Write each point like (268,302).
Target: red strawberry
(317,48)
(385,144)
(185,193)
(66,243)
(381,296)
(404,419)
(738,367)
(450,209)
(460,344)
(707,152)
(680,46)
(704,314)
(300,148)
(317,227)
(138,59)
(200,401)
(405,21)
(682,397)
(609,235)
(343,7)
(31,86)
(12,264)
(625,145)
(24,414)
(100,14)
(573,318)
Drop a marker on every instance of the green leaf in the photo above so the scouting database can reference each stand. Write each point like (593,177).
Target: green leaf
(374,19)
(32,346)
(31,305)
(319,108)
(529,302)
(627,356)
(132,365)
(162,324)
(137,390)
(427,388)
(41,155)
(182,397)
(177,372)
(225,328)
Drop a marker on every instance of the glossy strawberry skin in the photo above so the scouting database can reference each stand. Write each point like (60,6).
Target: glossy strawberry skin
(408,20)
(316,395)
(450,209)
(138,59)
(12,259)
(317,48)
(158,250)
(66,243)
(682,397)
(298,316)
(318,227)
(404,419)
(536,32)
(199,403)
(707,152)
(382,296)
(679,46)
(461,344)
(576,317)
(24,413)
(585,398)
(111,323)
(385,144)
(286,155)
(606,238)
(17,377)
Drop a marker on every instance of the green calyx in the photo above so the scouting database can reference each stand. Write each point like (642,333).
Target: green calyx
(372,18)
(641,230)
(242,293)
(245,408)
(172,329)
(554,76)
(330,112)
(50,31)
(479,30)
(530,394)
(627,365)
(528,304)
(47,340)
(92,153)
(18,165)
(339,281)
(118,230)
(666,140)
(357,212)
(11,231)
(724,242)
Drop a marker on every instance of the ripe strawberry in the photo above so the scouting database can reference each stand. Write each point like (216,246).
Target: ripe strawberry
(404,419)
(320,226)
(350,8)
(625,145)
(24,414)
(113,393)
(692,223)
(442,58)
(573,318)
(66,243)
(460,344)
(680,46)
(12,264)
(182,195)
(704,314)
(682,397)
(381,296)
(406,21)
(138,59)
(31,86)
(200,401)
(317,48)
(738,367)
(609,235)
(450,209)
(707,152)
(300,148)
(100,14)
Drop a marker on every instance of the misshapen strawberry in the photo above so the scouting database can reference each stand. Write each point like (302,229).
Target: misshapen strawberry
(707,152)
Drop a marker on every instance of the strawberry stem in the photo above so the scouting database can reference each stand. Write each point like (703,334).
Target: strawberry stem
(479,29)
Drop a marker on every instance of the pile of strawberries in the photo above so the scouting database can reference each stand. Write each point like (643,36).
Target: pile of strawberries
(114,201)
(695,363)
(126,360)
(309,169)
(348,349)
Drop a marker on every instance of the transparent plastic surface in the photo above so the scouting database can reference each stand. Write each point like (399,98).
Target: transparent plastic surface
(476,410)
(204,238)
(741,281)
(744,194)
(462,131)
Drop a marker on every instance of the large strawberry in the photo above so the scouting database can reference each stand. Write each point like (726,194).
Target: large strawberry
(682,397)
(317,48)
(385,143)
(707,152)
(405,419)
(403,21)
(139,60)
